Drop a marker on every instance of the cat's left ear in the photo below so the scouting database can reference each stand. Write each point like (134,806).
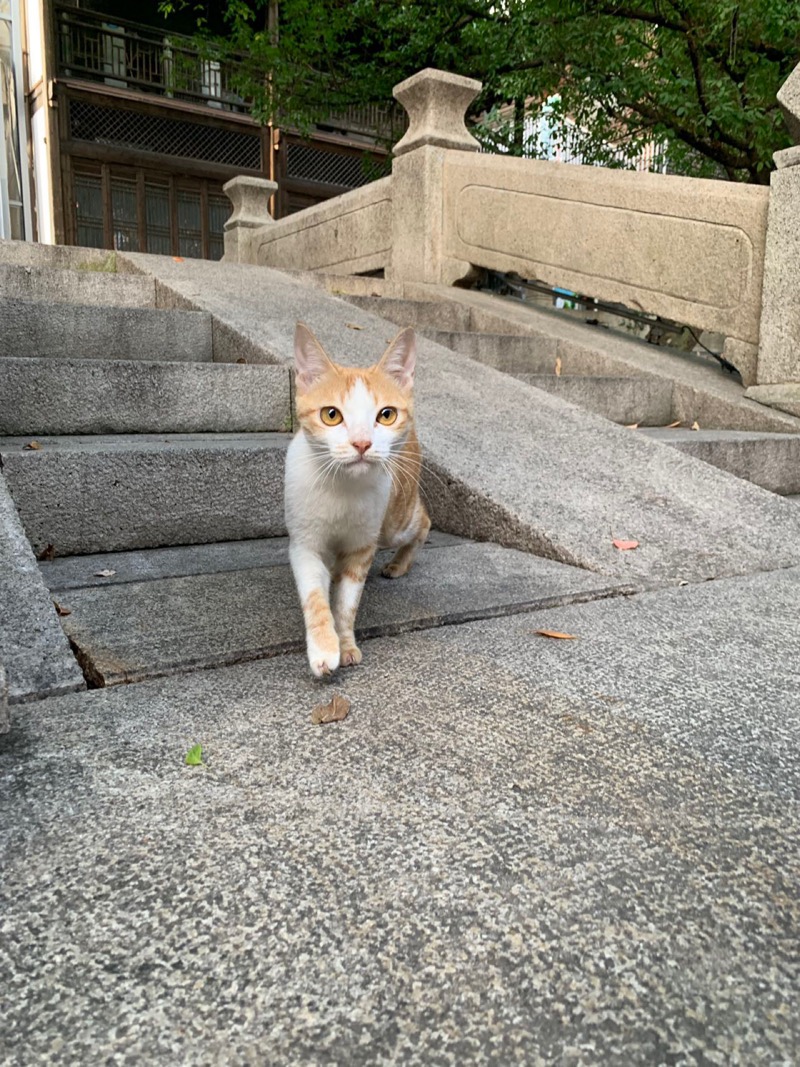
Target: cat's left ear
(400,358)
(310,358)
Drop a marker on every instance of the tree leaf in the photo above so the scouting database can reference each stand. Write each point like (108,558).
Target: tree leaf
(625,546)
(558,366)
(32,446)
(104,574)
(695,425)
(47,553)
(353,326)
(555,634)
(60,610)
(334,711)
(673,425)
(194,757)
(178,259)
(632,426)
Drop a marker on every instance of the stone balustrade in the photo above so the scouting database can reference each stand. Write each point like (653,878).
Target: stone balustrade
(715,255)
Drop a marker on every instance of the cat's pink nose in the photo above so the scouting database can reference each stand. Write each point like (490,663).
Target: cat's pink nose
(361,446)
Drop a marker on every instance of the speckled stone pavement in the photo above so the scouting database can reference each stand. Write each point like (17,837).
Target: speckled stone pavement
(514,850)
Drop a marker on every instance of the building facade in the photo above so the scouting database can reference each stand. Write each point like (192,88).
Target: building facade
(131,134)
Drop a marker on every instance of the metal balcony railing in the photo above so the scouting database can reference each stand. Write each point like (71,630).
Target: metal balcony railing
(127,55)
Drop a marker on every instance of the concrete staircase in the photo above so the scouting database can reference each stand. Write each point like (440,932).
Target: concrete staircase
(144,412)
(679,399)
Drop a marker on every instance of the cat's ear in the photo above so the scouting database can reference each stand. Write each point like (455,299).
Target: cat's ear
(310,360)
(400,358)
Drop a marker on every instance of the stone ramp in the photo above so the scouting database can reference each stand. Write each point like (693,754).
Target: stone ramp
(227,607)
(35,658)
(511,463)
(514,850)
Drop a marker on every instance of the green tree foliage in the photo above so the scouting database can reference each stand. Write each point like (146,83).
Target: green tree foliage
(698,76)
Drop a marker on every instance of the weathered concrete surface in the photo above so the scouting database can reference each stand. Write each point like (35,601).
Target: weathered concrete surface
(778,358)
(60,257)
(514,850)
(646,401)
(137,630)
(80,332)
(785,397)
(513,464)
(68,396)
(34,652)
(78,572)
(769,460)
(5,718)
(92,494)
(88,287)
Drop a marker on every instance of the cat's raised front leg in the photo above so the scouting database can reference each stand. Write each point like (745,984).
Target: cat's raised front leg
(349,576)
(313,580)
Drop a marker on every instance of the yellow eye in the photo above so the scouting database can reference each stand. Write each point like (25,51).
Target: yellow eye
(386,416)
(331,416)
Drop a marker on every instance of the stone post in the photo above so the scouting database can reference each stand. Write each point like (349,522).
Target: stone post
(250,198)
(778,370)
(436,103)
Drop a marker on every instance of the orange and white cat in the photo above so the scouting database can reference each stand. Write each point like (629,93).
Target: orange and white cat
(352,486)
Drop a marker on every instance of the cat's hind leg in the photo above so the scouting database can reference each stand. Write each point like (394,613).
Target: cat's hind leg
(350,573)
(313,578)
(400,563)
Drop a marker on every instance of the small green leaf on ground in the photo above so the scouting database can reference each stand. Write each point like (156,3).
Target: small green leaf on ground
(625,546)
(334,711)
(194,757)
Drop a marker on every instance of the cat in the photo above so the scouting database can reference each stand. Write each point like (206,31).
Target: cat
(352,486)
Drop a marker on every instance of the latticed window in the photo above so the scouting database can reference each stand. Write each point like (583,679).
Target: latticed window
(329,167)
(132,210)
(181,138)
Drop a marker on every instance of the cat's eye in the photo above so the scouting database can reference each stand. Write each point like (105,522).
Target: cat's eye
(331,416)
(386,416)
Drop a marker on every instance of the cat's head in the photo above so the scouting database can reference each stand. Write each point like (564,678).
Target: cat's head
(360,417)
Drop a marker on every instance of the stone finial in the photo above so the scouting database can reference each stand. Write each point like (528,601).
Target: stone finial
(250,199)
(436,103)
(789,99)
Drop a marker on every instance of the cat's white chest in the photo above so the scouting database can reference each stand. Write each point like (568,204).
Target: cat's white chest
(330,513)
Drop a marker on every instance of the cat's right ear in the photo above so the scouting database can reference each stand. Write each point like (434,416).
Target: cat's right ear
(310,359)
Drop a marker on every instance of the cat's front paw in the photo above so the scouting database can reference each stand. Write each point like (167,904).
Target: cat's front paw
(323,661)
(351,655)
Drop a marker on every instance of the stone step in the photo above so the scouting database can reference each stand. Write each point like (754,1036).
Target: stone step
(423,314)
(139,629)
(771,460)
(108,493)
(89,287)
(62,257)
(79,331)
(646,401)
(85,396)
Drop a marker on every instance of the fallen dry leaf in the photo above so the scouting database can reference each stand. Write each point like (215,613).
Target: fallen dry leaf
(33,446)
(632,426)
(558,366)
(625,546)
(695,425)
(241,359)
(178,259)
(556,634)
(673,425)
(61,611)
(334,711)
(353,326)
(47,553)
(104,574)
